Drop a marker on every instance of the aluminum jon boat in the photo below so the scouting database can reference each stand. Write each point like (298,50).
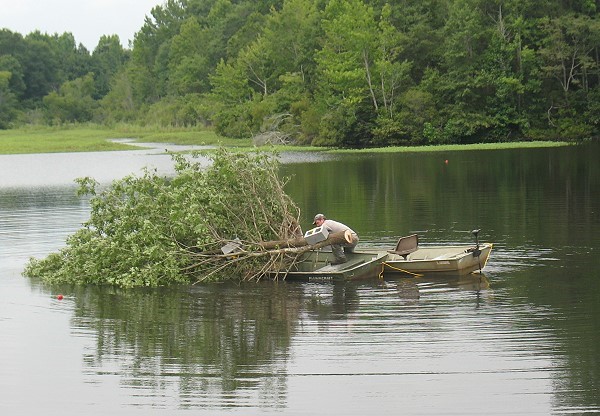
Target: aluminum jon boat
(315,266)
(410,258)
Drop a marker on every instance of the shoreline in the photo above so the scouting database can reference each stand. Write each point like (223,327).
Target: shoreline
(94,138)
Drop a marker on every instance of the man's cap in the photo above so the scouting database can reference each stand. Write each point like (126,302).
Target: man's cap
(318,217)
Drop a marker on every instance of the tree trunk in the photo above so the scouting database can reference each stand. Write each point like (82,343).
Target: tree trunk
(368,72)
(334,238)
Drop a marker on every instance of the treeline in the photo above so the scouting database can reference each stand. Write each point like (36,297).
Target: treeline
(351,73)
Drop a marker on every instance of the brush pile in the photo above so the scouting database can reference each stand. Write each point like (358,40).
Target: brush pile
(206,223)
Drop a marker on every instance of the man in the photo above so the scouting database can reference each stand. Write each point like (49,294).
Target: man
(338,250)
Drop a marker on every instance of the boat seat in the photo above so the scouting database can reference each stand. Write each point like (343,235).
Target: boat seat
(406,245)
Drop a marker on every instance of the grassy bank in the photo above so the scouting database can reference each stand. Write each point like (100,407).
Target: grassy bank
(90,138)
(456,147)
(52,140)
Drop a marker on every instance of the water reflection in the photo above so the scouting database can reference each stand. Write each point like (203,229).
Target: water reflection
(540,197)
(206,345)
(35,221)
(331,301)
(523,338)
(227,345)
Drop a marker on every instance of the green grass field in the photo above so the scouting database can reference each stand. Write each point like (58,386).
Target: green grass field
(91,138)
(95,138)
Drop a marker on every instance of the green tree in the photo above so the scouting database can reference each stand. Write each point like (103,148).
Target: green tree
(569,55)
(16,84)
(349,48)
(148,70)
(279,65)
(73,102)
(188,63)
(40,63)
(230,96)
(73,61)
(40,68)
(567,51)
(8,101)
(257,64)
(292,35)
(118,104)
(107,60)
(420,38)
(457,84)
(11,44)
(345,66)
(392,79)
(393,73)
(499,79)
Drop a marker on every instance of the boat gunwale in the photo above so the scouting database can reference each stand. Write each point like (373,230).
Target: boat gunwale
(458,256)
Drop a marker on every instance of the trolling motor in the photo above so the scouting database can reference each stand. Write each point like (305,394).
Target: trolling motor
(476,235)
(475,250)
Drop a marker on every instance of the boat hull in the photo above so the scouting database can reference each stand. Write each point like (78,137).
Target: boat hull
(458,259)
(316,267)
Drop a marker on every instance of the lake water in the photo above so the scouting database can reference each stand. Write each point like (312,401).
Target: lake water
(522,339)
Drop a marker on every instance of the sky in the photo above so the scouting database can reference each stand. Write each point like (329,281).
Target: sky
(87,20)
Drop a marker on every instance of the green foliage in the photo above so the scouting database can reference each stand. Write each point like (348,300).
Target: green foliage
(73,101)
(231,94)
(118,105)
(346,52)
(107,60)
(182,111)
(335,126)
(490,70)
(10,64)
(8,101)
(188,64)
(147,230)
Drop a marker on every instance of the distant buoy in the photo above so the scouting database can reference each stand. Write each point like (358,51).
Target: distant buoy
(59,297)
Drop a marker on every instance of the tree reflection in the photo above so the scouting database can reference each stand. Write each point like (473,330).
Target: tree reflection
(202,343)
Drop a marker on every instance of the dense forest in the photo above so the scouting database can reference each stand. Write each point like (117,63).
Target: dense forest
(349,73)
